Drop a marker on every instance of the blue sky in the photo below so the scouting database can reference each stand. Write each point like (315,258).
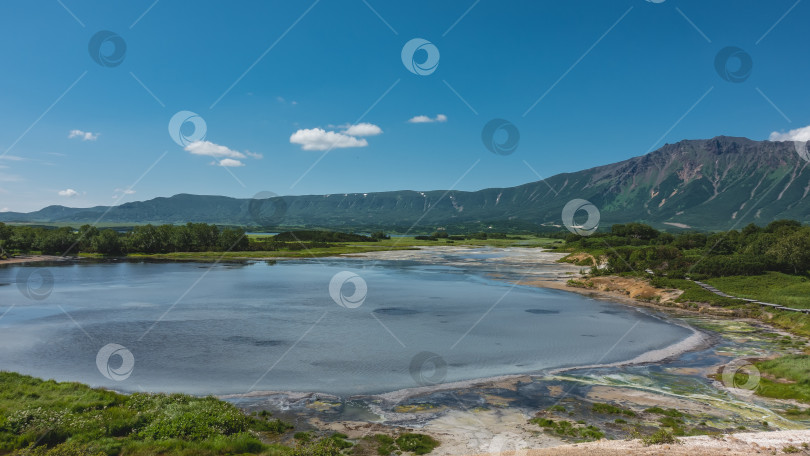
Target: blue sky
(617,78)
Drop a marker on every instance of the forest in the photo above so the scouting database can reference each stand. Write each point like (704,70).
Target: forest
(782,246)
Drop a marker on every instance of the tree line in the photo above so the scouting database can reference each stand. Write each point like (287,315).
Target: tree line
(783,245)
(191,237)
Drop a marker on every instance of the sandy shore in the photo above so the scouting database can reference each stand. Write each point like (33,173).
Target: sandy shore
(777,442)
(32,259)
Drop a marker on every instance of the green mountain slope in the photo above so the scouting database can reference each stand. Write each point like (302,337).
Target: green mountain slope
(718,183)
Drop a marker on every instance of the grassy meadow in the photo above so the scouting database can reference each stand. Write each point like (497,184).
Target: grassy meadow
(774,287)
(48,418)
(305,250)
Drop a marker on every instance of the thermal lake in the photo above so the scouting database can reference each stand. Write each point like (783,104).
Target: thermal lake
(235,328)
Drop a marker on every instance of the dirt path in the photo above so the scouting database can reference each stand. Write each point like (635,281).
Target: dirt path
(777,442)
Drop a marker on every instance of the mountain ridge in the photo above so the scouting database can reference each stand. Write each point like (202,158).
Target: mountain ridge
(716,183)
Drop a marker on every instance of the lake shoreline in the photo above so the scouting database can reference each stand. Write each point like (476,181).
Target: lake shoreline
(23,259)
(505,404)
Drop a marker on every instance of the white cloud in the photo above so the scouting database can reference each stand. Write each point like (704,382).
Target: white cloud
(11,158)
(284,101)
(224,156)
(210,149)
(320,139)
(427,119)
(5,209)
(230,163)
(84,135)
(121,192)
(799,134)
(10,178)
(70,193)
(363,129)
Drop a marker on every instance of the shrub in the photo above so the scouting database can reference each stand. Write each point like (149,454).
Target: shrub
(416,443)
(659,437)
(666,412)
(612,409)
(385,444)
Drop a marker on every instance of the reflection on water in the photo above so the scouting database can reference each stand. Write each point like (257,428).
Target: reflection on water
(243,327)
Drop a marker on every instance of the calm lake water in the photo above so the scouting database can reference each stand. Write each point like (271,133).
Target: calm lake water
(236,328)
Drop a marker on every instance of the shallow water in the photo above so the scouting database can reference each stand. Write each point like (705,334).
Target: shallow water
(236,328)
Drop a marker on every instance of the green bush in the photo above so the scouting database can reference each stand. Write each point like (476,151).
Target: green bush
(416,443)
(385,444)
(666,412)
(612,409)
(660,437)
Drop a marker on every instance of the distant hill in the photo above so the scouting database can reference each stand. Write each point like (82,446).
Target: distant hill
(703,184)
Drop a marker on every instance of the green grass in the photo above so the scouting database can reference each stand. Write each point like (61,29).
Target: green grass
(402,243)
(693,292)
(786,377)
(385,444)
(660,437)
(47,418)
(75,419)
(612,409)
(666,412)
(774,287)
(416,443)
(564,428)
